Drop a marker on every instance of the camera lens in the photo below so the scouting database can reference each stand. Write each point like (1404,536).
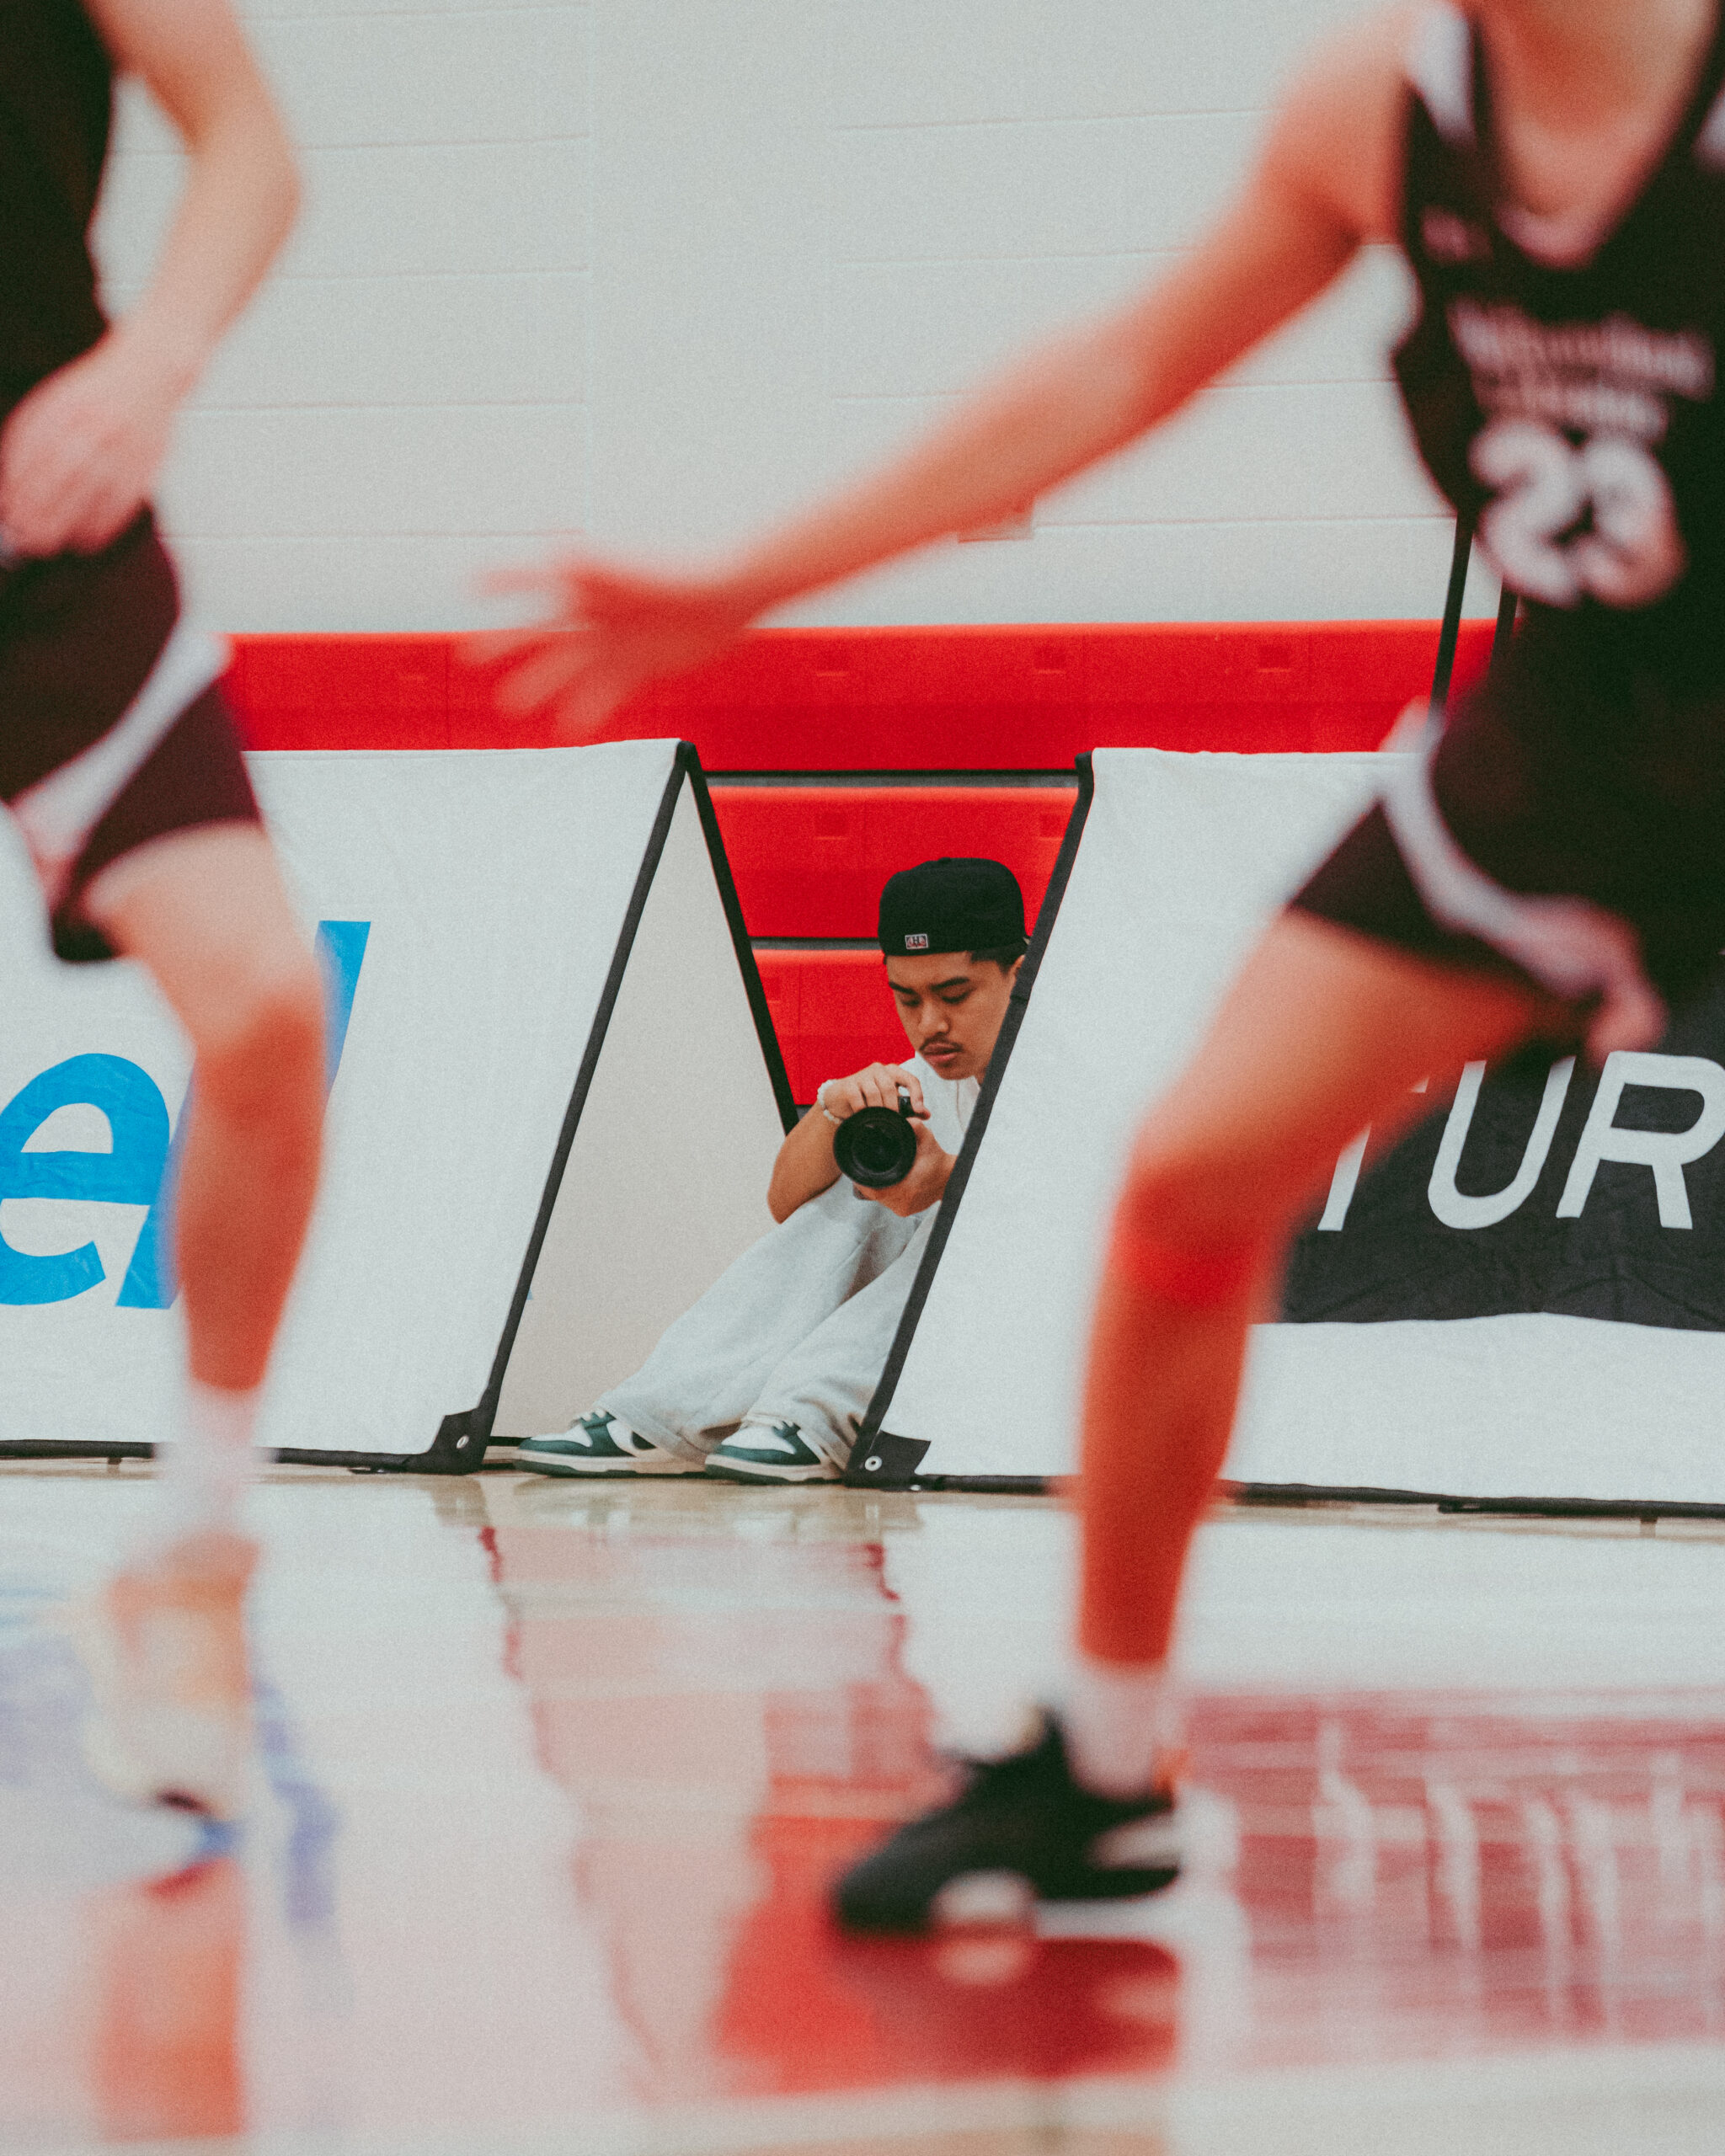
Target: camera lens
(876,1147)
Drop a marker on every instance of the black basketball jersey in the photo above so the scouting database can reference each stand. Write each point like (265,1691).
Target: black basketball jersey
(1575,409)
(56,99)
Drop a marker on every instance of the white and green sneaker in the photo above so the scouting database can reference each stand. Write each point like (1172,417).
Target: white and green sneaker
(601,1444)
(778,1452)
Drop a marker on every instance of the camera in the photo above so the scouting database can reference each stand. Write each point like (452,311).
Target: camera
(876,1147)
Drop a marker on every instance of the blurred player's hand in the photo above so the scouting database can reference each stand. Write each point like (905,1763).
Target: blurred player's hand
(608,632)
(80,453)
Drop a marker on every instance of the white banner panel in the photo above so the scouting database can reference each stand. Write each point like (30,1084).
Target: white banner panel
(472,904)
(1182,861)
(666,1181)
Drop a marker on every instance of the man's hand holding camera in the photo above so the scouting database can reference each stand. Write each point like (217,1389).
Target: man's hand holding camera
(924,1185)
(881,1141)
(878,1087)
(889,1098)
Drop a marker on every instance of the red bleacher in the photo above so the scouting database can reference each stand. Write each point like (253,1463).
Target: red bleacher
(831,1013)
(810,860)
(945,722)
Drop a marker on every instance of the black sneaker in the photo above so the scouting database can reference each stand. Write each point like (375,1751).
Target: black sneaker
(1021,1819)
(600,1444)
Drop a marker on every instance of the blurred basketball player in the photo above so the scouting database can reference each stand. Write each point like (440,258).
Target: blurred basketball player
(123,772)
(1554,171)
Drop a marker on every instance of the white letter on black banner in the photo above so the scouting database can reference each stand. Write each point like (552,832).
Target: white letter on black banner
(1664,1151)
(1451,1207)
(1343,1183)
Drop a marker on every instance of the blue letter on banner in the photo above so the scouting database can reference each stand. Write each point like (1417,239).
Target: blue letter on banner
(130,1174)
(140,1169)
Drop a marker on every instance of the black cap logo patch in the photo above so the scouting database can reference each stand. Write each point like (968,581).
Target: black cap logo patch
(915,942)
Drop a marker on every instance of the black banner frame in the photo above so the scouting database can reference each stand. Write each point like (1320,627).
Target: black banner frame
(879,1460)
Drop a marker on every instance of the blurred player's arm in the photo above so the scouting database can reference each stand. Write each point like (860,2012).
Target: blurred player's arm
(80,453)
(805,1166)
(1325,182)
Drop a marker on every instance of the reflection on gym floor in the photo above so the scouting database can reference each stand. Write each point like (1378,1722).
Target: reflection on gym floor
(555,1776)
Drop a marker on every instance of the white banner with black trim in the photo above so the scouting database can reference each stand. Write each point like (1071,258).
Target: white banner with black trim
(528,954)
(1524,1298)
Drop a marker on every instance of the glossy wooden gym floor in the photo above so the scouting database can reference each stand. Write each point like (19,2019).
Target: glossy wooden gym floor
(557,1773)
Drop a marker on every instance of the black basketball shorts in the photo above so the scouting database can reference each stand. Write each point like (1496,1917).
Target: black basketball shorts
(113,730)
(1566,825)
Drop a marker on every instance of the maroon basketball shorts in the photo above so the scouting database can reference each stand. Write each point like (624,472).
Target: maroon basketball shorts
(1566,825)
(113,730)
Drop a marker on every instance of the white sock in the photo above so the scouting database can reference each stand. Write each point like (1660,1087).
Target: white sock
(1122,1722)
(204,1473)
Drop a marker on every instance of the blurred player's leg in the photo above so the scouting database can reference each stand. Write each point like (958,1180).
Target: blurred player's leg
(205,911)
(1323,1032)
(126,781)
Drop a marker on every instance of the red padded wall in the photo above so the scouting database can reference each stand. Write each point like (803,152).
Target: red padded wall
(810,859)
(831,1012)
(890,700)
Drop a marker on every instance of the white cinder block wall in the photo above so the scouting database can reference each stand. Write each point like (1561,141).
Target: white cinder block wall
(657,269)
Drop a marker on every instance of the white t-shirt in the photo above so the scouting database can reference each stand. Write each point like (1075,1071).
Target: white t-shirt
(951,1103)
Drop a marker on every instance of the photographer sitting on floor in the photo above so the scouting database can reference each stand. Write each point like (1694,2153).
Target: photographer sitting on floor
(767,1378)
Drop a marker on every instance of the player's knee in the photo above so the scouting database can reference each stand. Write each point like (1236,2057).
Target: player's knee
(1184,1232)
(267,1062)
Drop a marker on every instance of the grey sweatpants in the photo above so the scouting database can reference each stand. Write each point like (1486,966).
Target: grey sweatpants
(796,1331)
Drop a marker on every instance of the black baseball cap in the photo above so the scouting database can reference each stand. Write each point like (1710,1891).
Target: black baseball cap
(951,905)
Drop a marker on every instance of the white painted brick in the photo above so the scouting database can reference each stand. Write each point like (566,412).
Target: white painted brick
(402,581)
(1118,55)
(457,339)
(1285,452)
(141,128)
(910,62)
(389,212)
(350,76)
(1380,569)
(666,268)
(378,472)
(1033,187)
(490,75)
(138,196)
(930,328)
(902,62)
(259,13)
(710,335)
